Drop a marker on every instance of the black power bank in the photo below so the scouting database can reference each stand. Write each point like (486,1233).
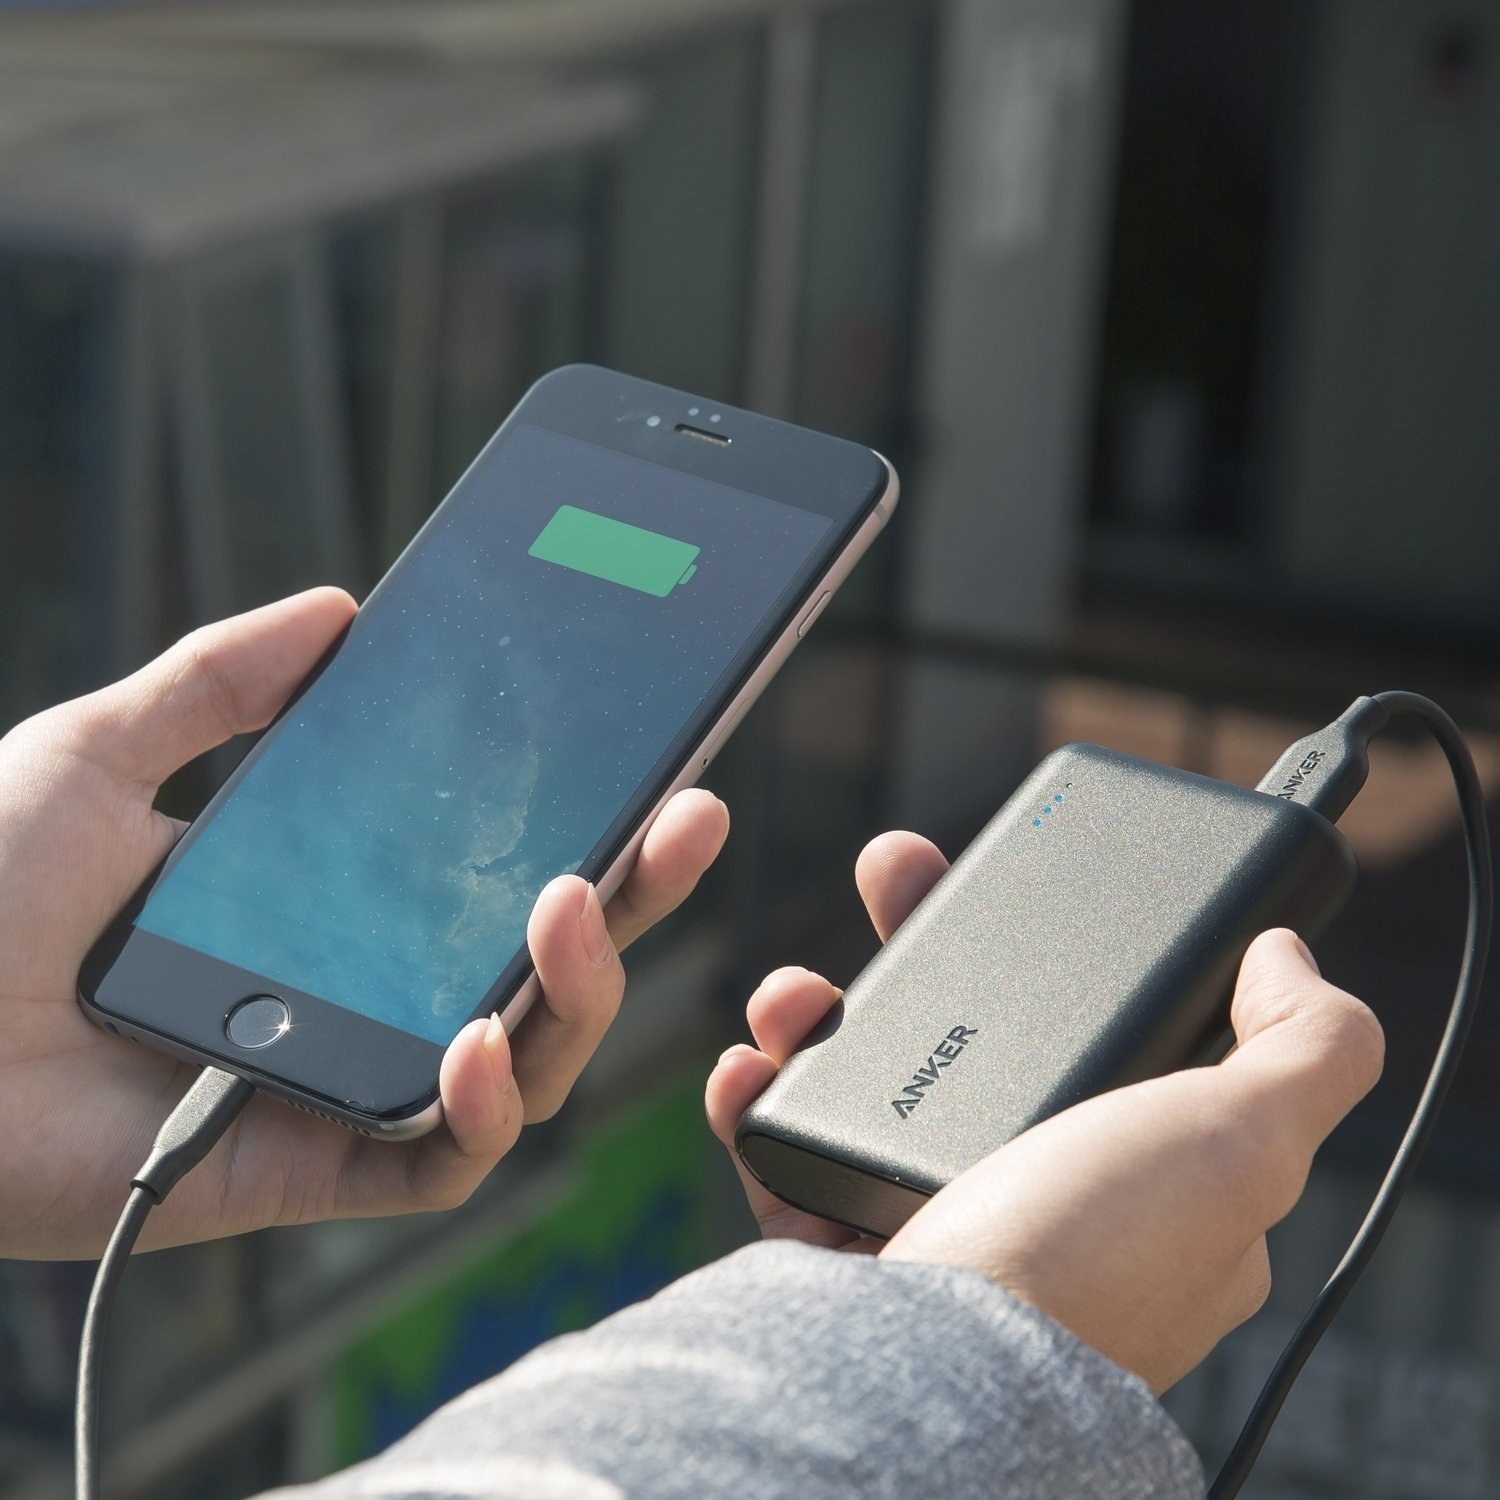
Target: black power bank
(1088,938)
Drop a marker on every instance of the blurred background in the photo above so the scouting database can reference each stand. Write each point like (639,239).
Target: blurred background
(1182,325)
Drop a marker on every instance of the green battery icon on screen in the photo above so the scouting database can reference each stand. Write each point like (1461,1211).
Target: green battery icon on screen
(615,551)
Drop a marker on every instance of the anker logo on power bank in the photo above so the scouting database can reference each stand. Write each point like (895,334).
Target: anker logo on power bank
(944,1055)
(1289,789)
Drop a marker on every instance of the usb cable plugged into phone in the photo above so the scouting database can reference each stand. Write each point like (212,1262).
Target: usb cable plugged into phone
(191,1131)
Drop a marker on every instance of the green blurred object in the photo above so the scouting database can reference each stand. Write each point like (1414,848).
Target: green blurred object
(639,1213)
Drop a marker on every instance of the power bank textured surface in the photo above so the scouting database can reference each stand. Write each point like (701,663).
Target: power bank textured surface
(1087,938)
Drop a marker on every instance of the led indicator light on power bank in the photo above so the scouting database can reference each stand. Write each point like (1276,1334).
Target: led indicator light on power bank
(1046,811)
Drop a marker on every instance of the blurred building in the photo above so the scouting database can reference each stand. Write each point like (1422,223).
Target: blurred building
(1180,323)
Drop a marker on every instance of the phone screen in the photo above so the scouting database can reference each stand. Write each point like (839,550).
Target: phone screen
(493,713)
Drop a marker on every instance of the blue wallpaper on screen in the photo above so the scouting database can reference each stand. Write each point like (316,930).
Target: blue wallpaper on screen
(484,724)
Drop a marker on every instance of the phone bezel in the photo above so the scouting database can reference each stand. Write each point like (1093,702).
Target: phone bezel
(132,980)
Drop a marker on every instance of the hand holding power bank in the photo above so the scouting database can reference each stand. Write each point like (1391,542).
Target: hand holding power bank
(1087,939)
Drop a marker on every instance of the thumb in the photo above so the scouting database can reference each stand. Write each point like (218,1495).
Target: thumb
(221,680)
(1307,1052)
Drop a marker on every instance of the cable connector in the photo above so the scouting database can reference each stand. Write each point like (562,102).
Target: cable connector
(1325,769)
(192,1130)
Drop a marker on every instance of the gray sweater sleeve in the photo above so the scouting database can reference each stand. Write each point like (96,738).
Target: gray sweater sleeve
(786,1371)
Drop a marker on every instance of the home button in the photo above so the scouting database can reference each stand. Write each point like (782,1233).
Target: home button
(258,1022)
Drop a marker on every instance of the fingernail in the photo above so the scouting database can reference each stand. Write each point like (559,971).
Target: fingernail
(498,1050)
(592,930)
(1306,953)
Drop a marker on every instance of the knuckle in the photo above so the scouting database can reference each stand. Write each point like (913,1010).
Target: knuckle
(63,727)
(780,1221)
(39,728)
(199,668)
(609,1007)
(1283,1176)
(544,1108)
(1261,1164)
(456,1193)
(588,1007)
(51,755)
(434,1181)
(1357,1037)
(440,1191)
(1280,1171)
(1253,1290)
(34,739)
(1342,1047)
(612,995)
(1275,997)
(1338,1036)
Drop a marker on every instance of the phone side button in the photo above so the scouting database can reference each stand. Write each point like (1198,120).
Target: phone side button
(818,606)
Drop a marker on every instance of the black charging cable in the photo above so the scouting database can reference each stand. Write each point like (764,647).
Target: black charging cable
(1324,772)
(191,1131)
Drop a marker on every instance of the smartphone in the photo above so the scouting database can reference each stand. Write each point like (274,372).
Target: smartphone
(568,641)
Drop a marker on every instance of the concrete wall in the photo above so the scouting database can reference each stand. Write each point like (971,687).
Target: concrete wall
(1023,186)
(1385,480)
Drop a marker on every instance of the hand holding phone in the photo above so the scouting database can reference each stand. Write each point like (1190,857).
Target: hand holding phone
(78,835)
(560,651)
